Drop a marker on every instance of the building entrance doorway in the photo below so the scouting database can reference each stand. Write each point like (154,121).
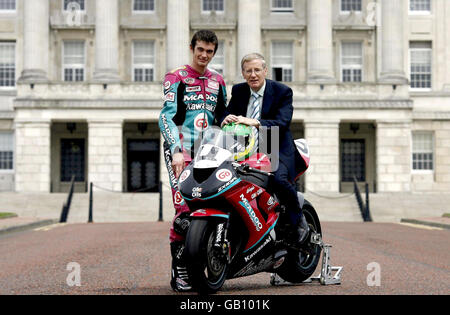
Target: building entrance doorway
(69,156)
(357,156)
(142,165)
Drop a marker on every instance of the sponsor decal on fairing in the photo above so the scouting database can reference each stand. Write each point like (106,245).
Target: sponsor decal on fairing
(184,175)
(224,175)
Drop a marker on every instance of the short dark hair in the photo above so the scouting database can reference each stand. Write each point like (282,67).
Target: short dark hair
(206,36)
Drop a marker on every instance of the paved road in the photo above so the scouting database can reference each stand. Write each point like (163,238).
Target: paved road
(133,258)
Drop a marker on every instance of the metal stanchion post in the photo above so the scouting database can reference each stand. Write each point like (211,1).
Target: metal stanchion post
(160,217)
(90,203)
(368,216)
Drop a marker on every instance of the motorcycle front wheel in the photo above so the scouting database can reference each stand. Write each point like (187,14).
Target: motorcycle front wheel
(206,267)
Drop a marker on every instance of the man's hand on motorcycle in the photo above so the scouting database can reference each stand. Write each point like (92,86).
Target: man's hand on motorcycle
(178,163)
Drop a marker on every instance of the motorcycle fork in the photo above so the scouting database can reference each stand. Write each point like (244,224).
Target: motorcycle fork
(221,242)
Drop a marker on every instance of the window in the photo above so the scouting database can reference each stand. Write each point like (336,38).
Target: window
(218,62)
(351,62)
(7,5)
(6,151)
(7,64)
(419,6)
(212,5)
(282,61)
(282,6)
(143,5)
(422,151)
(73,61)
(143,61)
(350,5)
(80,3)
(420,65)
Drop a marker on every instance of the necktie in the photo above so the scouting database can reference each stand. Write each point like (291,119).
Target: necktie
(255,115)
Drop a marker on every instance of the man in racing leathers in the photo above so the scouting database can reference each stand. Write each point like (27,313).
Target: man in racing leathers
(194,96)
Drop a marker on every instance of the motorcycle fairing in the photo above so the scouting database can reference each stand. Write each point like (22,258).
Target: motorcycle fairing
(301,157)
(203,213)
(246,204)
(211,187)
(256,259)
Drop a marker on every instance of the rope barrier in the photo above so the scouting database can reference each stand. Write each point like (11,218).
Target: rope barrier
(120,192)
(329,197)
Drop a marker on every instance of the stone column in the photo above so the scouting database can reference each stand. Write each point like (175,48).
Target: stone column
(392,42)
(446,21)
(323,141)
(33,156)
(106,41)
(393,156)
(105,154)
(249,29)
(320,41)
(178,38)
(36,41)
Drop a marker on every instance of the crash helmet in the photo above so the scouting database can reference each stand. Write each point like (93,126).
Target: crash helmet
(241,139)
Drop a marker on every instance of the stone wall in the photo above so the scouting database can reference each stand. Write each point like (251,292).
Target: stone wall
(393,156)
(33,156)
(323,141)
(105,154)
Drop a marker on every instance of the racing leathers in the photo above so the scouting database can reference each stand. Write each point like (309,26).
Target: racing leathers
(192,103)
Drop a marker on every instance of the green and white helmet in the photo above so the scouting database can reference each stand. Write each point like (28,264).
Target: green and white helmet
(245,145)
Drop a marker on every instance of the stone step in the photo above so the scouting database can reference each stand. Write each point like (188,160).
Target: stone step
(138,207)
(392,207)
(335,207)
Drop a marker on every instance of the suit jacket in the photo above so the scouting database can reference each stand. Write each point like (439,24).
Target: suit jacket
(276,110)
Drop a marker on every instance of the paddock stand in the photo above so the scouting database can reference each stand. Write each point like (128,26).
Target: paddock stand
(325,277)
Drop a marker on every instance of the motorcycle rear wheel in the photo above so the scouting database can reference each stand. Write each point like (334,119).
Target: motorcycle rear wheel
(300,265)
(207,269)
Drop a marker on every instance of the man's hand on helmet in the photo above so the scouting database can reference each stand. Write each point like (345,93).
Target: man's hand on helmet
(248,121)
(229,119)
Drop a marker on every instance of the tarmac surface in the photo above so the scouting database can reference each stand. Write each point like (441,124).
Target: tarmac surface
(134,258)
(16,224)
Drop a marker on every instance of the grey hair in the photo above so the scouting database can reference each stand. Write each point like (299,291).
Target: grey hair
(251,57)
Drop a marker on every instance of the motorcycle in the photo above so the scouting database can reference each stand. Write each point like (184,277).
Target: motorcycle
(237,227)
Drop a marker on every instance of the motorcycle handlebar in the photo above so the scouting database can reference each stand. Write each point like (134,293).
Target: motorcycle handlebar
(245,168)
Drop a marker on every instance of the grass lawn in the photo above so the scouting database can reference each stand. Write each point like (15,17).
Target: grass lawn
(4,215)
(446,215)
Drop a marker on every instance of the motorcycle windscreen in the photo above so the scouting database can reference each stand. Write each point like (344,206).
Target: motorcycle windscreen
(211,156)
(213,149)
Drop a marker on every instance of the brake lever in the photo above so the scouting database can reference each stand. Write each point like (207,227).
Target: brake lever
(241,168)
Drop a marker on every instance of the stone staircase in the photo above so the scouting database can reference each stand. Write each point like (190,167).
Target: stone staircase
(335,207)
(135,207)
(392,207)
(107,207)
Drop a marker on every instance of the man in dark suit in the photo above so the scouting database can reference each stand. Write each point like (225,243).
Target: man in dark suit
(262,102)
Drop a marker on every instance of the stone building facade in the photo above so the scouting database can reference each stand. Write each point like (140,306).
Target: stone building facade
(371,82)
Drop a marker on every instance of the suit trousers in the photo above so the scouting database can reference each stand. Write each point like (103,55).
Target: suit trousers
(287,193)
